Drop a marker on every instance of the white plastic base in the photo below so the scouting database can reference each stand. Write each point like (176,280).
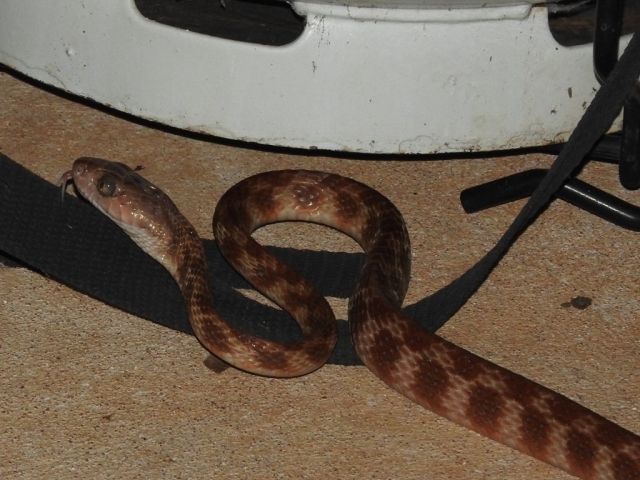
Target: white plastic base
(392,80)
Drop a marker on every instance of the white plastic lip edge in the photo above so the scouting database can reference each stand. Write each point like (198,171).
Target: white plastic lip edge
(463,101)
(408,15)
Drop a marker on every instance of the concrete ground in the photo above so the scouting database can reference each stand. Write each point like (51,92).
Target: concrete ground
(87,391)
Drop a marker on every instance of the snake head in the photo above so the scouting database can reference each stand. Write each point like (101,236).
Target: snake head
(140,208)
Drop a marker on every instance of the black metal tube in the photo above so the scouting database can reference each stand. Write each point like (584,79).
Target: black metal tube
(574,191)
(606,36)
(503,190)
(630,141)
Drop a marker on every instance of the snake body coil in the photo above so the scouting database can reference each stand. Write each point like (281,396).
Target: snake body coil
(427,369)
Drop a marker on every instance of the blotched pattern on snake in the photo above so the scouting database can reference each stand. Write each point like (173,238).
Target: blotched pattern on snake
(429,370)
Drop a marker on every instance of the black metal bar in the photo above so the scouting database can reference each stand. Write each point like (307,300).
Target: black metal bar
(574,191)
(606,36)
(623,149)
(630,143)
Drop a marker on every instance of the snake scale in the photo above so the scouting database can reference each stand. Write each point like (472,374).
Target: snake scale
(424,367)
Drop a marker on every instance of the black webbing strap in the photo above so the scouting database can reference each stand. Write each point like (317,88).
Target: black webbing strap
(74,244)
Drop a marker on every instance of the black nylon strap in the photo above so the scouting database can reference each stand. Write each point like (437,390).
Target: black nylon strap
(74,244)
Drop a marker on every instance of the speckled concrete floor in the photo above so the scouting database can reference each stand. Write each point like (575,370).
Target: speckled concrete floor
(87,391)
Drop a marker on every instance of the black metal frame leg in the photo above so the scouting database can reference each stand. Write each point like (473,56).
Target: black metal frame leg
(623,149)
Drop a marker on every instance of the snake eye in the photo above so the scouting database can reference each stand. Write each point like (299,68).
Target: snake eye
(107,186)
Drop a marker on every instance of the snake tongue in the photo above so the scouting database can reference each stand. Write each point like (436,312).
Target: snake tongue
(65,178)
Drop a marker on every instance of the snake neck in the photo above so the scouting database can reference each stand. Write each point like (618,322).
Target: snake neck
(190,271)
(192,275)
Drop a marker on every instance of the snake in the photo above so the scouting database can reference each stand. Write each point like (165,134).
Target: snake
(424,367)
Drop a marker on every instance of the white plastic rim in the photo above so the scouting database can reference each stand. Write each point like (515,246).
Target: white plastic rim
(375,80)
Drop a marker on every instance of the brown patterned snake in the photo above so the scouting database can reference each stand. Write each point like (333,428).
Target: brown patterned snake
(427,369)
